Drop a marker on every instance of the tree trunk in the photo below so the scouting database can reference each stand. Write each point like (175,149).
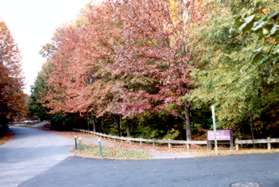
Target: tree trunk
(251,128)
(102,125)
(88,120)
(187,121)
(94,124)
(117,120)
(128,129)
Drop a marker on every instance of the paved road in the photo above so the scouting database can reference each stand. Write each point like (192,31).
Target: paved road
(30,153)
(36,158)
(217,171)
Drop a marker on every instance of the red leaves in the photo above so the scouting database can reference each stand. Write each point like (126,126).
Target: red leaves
(11,83)
(120,57)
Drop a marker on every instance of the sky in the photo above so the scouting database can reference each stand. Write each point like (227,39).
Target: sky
(32,24)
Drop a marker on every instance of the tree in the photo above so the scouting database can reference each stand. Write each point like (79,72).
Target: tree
(40,88)
(119,58)
(12,98)
(237,71)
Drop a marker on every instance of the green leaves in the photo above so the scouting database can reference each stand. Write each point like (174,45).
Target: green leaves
(265,29)
(274,30)
(263,25)
(258,25)
(242,70)
(38,91)
(247,23)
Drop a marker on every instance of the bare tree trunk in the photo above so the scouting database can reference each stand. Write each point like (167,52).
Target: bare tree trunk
(102,125)
(117,120)
(94,124)
(88,120)
(251,128)
(128,129)
(119,127)
(185,17)
(187,121)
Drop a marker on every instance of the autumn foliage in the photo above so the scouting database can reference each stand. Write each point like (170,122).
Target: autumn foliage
(12,98)
(150,65)
(121,57)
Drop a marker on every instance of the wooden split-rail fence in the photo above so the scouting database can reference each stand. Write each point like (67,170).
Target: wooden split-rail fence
(188,144)
(170,143)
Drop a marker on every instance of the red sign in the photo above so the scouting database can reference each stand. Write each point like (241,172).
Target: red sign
(220,135)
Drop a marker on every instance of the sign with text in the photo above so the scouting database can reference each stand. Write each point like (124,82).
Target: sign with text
(220,135)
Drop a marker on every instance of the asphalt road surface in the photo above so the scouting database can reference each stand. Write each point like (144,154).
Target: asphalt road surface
(29,153)
(41,159)
(218,171)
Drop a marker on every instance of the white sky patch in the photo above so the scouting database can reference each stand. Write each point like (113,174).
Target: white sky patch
(32,24)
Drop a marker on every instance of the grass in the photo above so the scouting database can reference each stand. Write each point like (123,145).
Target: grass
(226,152)
(117,153)
(125,151)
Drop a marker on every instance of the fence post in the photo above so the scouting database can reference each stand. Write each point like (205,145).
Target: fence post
(231,143)
(187,146)
(209,147)
(100,145)
(268,143)
(236,144)
(153,142)
(79,142)
(169,144)
(75,139)
(140,141)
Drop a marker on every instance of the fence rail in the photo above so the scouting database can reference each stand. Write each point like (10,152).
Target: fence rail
(150,141)
(267,141)
(237,142)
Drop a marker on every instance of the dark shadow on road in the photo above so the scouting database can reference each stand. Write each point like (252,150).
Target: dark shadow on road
(214,171)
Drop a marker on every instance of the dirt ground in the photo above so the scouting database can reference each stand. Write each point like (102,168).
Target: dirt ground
(7,136)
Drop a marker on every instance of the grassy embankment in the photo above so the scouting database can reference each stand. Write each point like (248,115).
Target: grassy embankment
(117,153)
